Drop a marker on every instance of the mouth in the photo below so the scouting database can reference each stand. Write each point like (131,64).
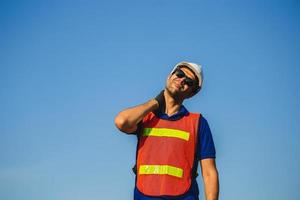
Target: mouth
(177,86)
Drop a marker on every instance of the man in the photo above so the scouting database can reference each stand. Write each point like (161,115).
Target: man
(171,141)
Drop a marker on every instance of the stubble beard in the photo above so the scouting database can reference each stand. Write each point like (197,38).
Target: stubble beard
(176,95)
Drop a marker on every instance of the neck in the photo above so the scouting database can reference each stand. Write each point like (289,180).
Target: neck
(172,104)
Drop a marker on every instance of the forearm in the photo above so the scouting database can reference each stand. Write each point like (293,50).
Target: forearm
(211,183)
(127,120)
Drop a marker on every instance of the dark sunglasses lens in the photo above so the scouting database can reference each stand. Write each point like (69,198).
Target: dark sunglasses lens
(179,73)
(189,82)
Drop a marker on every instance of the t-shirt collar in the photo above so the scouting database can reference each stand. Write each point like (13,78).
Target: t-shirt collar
(182,111)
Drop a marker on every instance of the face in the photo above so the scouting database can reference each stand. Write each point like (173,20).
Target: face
(177,86)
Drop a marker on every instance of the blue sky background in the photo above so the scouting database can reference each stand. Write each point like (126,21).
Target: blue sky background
(68,67)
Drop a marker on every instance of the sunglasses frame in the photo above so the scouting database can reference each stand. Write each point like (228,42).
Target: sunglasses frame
(187,80)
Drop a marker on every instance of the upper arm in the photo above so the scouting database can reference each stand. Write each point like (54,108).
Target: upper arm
(128,130)
(206,146)
(206,149)
(120,123)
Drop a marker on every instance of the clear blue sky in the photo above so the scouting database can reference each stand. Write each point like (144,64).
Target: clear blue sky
(68,67)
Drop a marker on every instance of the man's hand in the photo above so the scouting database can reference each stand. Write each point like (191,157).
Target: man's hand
(160,98)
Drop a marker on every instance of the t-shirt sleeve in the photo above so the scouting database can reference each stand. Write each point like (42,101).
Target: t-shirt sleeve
(206,146)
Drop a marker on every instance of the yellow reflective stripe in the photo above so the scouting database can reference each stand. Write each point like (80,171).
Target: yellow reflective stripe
(165,132)
(161,169)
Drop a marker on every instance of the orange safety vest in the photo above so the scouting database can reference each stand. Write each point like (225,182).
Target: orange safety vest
(165,155)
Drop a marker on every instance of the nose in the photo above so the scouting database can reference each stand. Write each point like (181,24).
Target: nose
(181,80)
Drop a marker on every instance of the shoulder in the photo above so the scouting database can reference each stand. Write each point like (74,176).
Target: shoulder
(202,119)
(204,126)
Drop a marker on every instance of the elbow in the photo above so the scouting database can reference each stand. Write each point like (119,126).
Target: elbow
(123,125)
(120,122)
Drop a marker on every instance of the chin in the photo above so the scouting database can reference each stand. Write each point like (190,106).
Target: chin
(175,93)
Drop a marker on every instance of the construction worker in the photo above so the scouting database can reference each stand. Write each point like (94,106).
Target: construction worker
(171,141)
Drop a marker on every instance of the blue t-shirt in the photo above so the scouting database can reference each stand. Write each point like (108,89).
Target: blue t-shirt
(205,149)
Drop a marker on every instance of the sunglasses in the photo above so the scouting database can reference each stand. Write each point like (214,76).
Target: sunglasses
(180,74)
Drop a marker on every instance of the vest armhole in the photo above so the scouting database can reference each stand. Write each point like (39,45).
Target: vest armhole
(195,166)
